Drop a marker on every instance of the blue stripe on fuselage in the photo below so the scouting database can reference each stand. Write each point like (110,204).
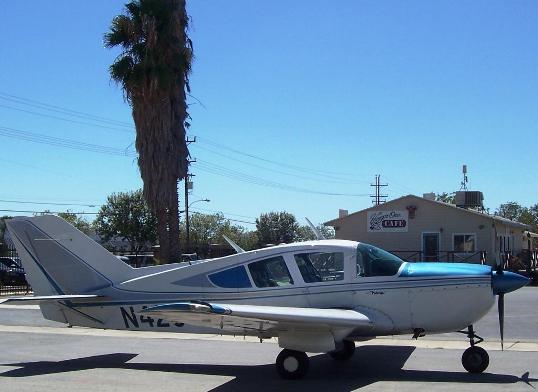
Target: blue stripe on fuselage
(414,270)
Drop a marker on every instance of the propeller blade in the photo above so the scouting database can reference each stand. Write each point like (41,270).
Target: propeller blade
(500,306)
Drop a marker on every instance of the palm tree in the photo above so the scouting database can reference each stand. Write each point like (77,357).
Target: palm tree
(153,70)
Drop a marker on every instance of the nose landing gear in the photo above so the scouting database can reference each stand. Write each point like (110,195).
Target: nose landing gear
(475,359)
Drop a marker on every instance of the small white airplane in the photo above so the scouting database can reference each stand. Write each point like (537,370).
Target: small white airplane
(318,296)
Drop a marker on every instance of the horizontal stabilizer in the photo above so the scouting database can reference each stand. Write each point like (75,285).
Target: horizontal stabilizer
(44,298)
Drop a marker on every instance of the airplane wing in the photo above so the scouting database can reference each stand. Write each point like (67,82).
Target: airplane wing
(260,319)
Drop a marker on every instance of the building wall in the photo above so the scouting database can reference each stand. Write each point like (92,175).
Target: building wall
(428,217)
(516,236)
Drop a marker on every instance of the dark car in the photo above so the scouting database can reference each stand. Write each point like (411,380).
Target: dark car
(11,271)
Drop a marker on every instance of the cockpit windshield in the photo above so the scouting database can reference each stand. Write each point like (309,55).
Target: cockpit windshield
(372,261)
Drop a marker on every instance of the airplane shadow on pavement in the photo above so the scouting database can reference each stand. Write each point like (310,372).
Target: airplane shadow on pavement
(369,365)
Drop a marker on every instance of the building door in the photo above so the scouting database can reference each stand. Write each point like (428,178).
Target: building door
(430,246)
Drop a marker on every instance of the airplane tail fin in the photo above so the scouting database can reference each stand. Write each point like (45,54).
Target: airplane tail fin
(60,260)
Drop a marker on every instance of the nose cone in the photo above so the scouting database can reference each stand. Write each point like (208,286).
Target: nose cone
(506,282)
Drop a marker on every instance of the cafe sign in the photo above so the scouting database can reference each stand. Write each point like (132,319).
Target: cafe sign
(387,221)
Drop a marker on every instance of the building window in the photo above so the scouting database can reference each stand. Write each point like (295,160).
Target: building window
(320,267)
(464,242)
(271,272)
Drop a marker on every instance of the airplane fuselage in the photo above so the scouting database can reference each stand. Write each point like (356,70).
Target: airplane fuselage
(445,298)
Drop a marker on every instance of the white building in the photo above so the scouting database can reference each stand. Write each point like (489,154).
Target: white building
(418,228)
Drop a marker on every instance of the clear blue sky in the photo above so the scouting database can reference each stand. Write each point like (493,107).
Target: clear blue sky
(408,90)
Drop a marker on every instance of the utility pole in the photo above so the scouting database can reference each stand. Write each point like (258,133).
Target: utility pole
(378,198)
(187,188)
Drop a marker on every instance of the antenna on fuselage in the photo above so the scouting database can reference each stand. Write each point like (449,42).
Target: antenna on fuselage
(236,247)
(317,233)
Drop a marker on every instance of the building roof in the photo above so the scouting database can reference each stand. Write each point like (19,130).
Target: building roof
(500,219)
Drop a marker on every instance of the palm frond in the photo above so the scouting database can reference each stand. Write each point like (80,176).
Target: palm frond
(121,69)
(121,32)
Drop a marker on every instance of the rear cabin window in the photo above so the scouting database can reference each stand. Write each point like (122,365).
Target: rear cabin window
(372,261)
(271,272)
(233,278)
(320,267)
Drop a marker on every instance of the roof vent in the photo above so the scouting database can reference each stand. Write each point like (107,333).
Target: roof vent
(342,213)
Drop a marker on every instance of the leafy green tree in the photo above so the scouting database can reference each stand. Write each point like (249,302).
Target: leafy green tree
(208,229)
(247,240)
(276,228)
(153,70)
(514,211)
(511,210)
(445,197)
(305,233)
(127,216)
(77,221)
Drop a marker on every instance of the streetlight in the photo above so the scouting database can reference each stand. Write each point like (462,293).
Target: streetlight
(186,211)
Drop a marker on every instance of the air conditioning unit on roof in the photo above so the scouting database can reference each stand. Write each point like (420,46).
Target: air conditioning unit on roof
(469,199)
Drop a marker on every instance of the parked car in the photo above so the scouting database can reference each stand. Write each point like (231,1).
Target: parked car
(11,271)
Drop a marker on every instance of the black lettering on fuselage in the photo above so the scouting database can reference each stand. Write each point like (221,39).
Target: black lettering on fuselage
(129,317)
(131,320)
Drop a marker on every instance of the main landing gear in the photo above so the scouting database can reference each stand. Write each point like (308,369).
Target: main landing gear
(292,365)
(475,359)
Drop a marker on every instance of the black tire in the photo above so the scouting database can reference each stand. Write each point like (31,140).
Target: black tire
(475,359)
(345,353)
(291,364)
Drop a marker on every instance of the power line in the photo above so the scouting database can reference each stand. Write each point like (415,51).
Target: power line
(62,110)
(222,212)
(204,166)
(278,163)
(62,142)
(236,175)
(231,220)
(250,164)
(65,119)
(48,203)
(112,124)
(50,212)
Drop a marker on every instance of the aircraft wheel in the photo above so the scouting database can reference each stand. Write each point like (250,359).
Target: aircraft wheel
(345,353)
(291,364)
(475,359)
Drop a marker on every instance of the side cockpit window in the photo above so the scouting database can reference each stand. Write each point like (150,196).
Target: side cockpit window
(271,272)
(372,261)
(320,266)
(233,278)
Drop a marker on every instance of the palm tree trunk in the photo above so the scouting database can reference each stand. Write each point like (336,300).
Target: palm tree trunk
(173,222)
(162,233)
